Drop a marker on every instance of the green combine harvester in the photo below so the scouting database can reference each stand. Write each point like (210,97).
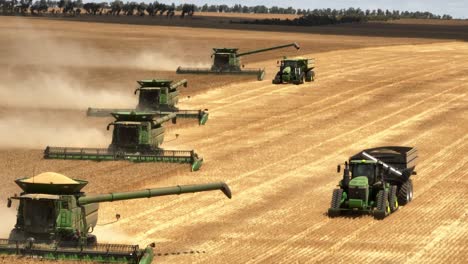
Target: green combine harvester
(136,137)
(295,70)
(157,96)
(227,61)
(55,220)
(376,180)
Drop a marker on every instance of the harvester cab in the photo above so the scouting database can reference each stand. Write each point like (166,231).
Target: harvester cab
(157,96)
(55,220)
(136,137)
(295,70)
(375,180)
(138,131)
(227,61)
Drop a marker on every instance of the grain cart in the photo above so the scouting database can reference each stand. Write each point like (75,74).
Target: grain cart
(376,181)
(136,137)
(157,96)
(227,61)
(55,220)
(295,70)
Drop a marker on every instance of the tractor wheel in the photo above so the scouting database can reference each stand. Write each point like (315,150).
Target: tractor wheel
(393,200)
(277,79)
(383,206)
(310,76)
(405,193)
(334,209)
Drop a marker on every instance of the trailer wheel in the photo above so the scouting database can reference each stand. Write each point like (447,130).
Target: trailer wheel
(334,209)
(405,193)
(393,200)
(383,206)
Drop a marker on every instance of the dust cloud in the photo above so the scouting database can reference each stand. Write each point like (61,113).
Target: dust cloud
(44,90)
(36,131)
(44,47)
(8,220)
(109,234)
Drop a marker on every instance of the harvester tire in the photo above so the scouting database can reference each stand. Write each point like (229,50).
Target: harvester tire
(334,209)
(383,206)
(310,76)
(405,193)
(393,200)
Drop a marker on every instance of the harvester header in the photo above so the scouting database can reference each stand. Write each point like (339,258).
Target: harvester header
(136,137)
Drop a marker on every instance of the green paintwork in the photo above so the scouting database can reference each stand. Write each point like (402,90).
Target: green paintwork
(136,137)
(227,61)
(156,96)
(58,215)
(294,70)
(359,182)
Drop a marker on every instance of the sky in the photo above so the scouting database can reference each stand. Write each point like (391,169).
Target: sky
(455,8)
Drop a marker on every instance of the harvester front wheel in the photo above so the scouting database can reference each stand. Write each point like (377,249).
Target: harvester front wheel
(383,205)
(334,209)
(405,193)
(393,200)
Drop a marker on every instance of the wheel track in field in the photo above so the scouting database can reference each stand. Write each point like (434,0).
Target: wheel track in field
(347,70)
(340,71)
(302,234)
(306,150)
(209,208)
(349,225)
(123,220)
(353,235)
(297,110)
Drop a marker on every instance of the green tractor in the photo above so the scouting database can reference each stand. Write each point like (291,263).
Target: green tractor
(136,137)
(157,96)
(295,70)
(227,61)
(55,220)
(375,181)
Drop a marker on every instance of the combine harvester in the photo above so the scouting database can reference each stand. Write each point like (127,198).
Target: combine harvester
(136,137)
(295,70)
(376,181)
(157,96)
(55,220)
(227,61)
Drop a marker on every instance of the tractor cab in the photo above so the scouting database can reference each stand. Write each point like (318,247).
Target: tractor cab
(364,168)
(288,63)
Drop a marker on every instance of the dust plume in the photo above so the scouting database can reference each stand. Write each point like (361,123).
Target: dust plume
(61,91)
(38,46)
(109,234)
(8,220)
(37,131)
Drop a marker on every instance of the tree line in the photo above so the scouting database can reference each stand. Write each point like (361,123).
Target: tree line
(77,7)
(118,7)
